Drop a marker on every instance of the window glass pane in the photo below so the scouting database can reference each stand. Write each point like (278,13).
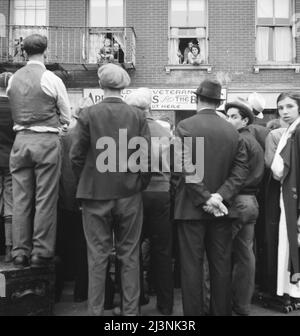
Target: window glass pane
(196,15)
(264,8)
(282,9)
(30,3)
(178,13)
(97,13)
(40,17)
(30,17)
(19,3)
(283,44)
(41,4)
(115,13)
(2,25)
(262,44)
(19,17)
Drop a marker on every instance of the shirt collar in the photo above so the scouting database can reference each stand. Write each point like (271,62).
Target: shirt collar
(36,62)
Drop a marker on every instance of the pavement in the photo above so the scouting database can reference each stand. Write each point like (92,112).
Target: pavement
(66,307)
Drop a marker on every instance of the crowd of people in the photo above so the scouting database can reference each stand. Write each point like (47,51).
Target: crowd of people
(230,225)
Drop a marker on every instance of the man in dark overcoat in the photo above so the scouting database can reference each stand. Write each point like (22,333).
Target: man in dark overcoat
(225,170)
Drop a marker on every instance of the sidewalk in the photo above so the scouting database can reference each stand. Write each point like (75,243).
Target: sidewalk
(68,308)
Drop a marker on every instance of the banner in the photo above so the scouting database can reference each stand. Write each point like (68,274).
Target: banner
(162,99)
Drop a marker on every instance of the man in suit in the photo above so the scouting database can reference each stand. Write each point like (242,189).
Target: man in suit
(111,198)
(225,170)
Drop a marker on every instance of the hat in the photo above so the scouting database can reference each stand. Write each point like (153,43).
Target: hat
(209,88)
(141,97)
(258,104)
(4,78)
(35,44)
(113,76)
(242,105)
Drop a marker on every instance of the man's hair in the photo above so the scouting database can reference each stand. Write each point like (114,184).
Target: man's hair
(209,101)
(35,44)
(243,115)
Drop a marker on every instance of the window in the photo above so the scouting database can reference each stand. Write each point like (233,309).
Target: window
(106,14)
(30,12)
(274,38)
(188,26)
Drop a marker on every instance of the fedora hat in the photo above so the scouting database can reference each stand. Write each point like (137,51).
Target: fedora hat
(258,104)
(209,88)
(243,106)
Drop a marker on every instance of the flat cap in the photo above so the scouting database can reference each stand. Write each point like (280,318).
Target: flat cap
(113,76)
(141,97)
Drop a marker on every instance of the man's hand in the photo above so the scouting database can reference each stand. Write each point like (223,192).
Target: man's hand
(215,206)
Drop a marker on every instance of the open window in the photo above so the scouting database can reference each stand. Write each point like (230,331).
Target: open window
(188,32)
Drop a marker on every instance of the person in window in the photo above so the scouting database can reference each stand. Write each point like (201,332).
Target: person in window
(186,51)
(118,53)
(194,56)
(106,53)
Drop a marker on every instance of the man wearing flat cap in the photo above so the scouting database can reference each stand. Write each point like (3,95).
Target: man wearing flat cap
(111,200)
(240,115)
(202,204)
(40,106)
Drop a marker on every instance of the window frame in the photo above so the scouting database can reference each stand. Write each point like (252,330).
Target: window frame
(12,14)
(106,14)
(206,60)
(273,23)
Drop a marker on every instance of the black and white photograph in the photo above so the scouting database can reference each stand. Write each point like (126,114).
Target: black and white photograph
(150,160)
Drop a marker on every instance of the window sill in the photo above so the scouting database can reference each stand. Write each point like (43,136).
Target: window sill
(258,67)
(202,67)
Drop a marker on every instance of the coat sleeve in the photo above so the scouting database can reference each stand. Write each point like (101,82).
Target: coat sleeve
(80,144)
(145,133)
(196,189)
(238,174)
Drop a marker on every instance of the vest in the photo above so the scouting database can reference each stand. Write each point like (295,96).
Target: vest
(30,105)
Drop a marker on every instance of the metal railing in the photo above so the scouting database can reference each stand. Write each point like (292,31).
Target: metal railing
(71,45)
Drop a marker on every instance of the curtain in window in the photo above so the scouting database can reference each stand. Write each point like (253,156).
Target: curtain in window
(119,37)
(96,43)
(201,38)
(283,44)
(174,48)
(262,44)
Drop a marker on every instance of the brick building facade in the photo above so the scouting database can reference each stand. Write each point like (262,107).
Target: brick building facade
(231,32)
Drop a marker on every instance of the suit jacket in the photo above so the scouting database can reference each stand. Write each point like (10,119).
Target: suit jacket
(225,165)
(95,123)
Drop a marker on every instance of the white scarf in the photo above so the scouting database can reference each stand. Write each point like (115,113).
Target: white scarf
(277,166)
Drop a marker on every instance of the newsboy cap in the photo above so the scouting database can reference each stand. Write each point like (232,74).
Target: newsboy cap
(35,44)
(209,88)
(243,106)
(141,97)
(113,76)
(258,104)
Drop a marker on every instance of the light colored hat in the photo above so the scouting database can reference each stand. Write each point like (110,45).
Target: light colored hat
(113,76)
(242,105)
(141,98)
(258,104)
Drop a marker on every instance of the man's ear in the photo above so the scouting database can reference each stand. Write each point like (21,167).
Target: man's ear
(246,121)
(99,84)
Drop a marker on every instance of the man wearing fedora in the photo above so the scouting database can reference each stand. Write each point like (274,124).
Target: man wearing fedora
(111,201)
(40,106)
(225,170)
(240,115)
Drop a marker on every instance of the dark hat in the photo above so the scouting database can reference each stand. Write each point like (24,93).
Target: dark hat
(243,106)
(209,88)
(113,76)
(35,44)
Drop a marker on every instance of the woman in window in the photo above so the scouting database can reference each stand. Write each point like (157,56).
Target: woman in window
(194,56)
(285,169)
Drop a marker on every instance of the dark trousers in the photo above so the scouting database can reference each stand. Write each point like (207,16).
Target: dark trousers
(35,163)
(158,228)
(101,219)
(214,236)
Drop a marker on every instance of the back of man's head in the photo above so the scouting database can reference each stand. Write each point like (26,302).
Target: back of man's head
(35,44)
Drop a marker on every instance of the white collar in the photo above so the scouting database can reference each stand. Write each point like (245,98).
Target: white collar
(37,62)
